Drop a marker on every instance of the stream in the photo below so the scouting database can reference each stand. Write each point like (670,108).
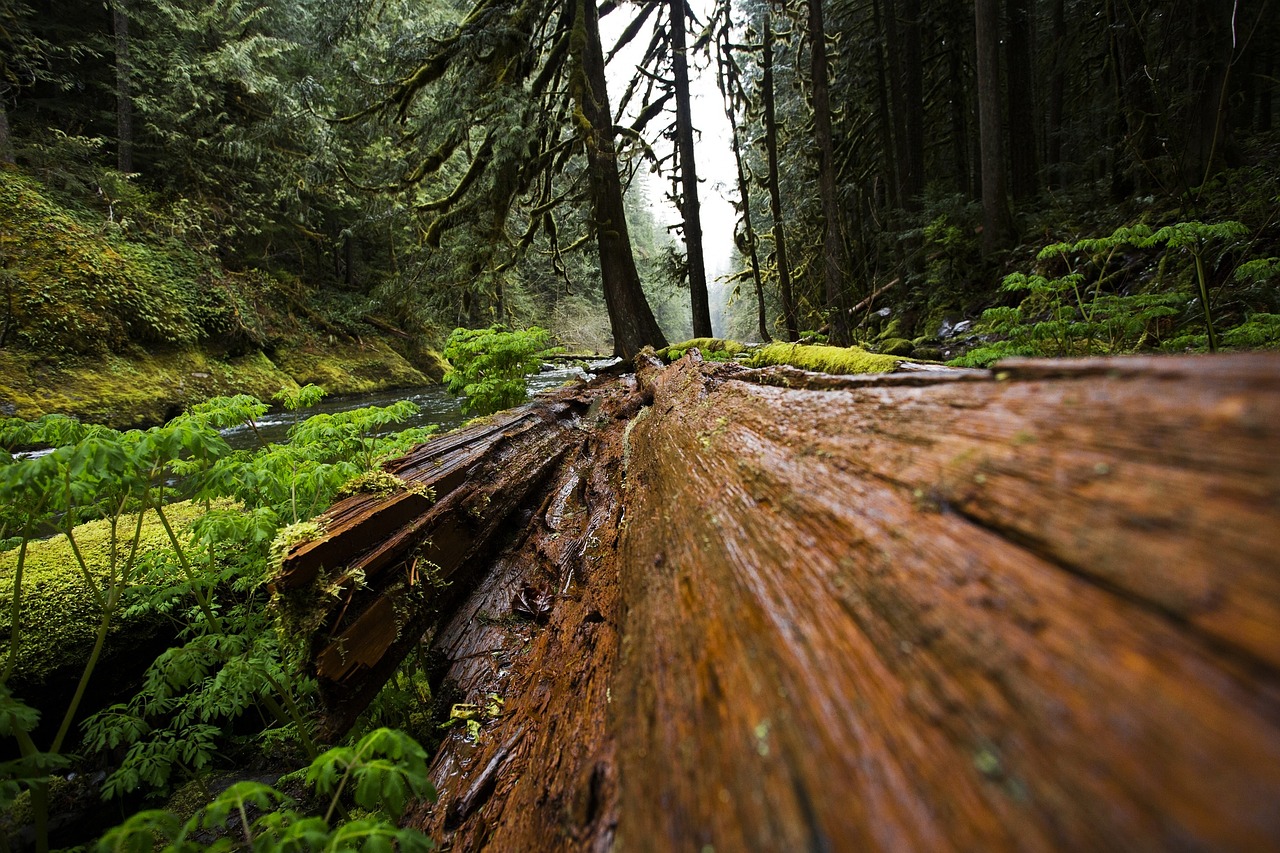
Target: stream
(435,406)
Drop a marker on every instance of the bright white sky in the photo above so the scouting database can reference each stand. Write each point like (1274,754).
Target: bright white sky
(714,153)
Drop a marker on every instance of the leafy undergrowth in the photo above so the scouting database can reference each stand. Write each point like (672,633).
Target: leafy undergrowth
(1190,286)
(131,550)
(489,366)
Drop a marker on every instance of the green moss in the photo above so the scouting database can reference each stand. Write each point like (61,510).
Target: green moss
(713,349)
(895,346)
(824,359)
(141,389)
(77,287)
(347,367)
(59,617)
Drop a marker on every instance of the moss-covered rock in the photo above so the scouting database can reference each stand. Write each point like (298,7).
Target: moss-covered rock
(895,346)
(824,359)
(59,618)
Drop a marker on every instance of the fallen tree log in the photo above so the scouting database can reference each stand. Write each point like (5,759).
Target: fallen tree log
(1029,610)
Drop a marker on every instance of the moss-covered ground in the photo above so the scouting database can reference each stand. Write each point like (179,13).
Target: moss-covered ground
(59,618)
(127,332)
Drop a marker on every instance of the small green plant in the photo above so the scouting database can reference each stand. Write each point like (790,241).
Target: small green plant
(380,775)
(208,578)
(1081,312)
(489,366)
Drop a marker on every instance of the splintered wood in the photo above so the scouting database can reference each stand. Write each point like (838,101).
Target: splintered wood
(1035,609)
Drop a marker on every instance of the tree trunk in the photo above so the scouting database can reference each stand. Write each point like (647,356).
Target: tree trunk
(6,140)
(832,239)
(1209,148)
(730,88)
(630,316)
(690,209)
(960,86)
(902,41)
(1024,171)
(913,91)
(997,223)
(124,87)
(1138,144)
(789,318)
(889,92)
(1057,94)
(929,611)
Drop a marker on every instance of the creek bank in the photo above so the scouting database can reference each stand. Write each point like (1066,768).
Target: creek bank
(143,388)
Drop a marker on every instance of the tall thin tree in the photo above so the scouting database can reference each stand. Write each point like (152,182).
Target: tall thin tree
(789,318)
(690,209)
(997,224)
(832,241)
(124,86)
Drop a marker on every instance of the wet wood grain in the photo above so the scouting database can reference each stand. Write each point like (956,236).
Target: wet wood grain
(1027,614)
(1030,610)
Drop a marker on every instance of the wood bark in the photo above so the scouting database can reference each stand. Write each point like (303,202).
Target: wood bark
(729,79)
(6,139)
(630,316)
(789,318)
(690,209)
(902,47)
(1057,94)
(997,222)
(1024,171)
(832,239)
(945,610)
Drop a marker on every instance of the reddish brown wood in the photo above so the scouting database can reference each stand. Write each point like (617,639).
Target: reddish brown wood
(1030,610)
(1033,613)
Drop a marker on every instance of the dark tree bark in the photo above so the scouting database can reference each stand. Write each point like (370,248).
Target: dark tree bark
(1024,169)
(832,240)
(690,209)
(1057,94)
(789,318)
(1209,147)
(889,96)
(997,223)
(731,90)
(906,88)
(6,140)
(630,316)
(1138,145)
(960,110)
(913,93)
(124,87)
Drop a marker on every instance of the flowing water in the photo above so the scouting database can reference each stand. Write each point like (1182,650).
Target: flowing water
(435,406)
